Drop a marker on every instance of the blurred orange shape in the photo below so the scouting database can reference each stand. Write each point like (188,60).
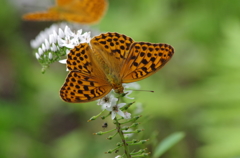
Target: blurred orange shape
(79,11)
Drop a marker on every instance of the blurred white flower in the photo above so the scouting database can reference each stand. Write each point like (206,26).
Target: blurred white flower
(56,37)
(127,93)
(133,86)
(55,42)
(115,108)
(127,115)
(64,61)
(37,55)
(128,135)
(50,56)
(107,100)
(40,51)
(139,108)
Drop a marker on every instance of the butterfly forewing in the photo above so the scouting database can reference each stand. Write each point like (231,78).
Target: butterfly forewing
(145,59)
(79,59)
(113,48)
(79,88)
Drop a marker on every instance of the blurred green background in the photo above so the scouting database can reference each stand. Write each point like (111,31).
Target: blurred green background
(197,92)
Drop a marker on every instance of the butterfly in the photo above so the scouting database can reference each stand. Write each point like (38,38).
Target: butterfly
(80,11)
(109,60)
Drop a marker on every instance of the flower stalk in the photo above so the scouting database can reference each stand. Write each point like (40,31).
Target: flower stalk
(125,145)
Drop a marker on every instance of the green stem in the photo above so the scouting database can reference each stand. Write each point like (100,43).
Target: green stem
(94,117)
(127,153)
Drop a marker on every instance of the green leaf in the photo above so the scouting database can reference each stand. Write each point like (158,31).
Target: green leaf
(167,143)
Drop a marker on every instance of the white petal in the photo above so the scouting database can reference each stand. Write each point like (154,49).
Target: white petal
(53,47)
(104,106)
(127,115)
(68,31)
(85,38)
(109,108)
(43,47)
(60,41)
(121,105)
(64,61)
(54,33)
(79,32)
(135,85)
(67,51)
(70,45)
(50,55)
(113,101)
(113,115)
(47,44)
(121,113)
(40,51)
(51,38)
(128,93)
(60,33)
(54,36)
(37,55)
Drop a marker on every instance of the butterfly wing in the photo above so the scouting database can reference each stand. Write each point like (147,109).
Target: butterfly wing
(113,48)
(85,82)
(79,59)
(144,59)
(80,88)
(51,14)
(41,16)
(84,11)
(81,11)
(62,2)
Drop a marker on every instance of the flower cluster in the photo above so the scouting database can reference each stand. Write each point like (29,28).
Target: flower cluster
(54,43)
(110,103)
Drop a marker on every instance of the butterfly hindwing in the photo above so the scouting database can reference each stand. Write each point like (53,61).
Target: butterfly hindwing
(144,60)
(79,88)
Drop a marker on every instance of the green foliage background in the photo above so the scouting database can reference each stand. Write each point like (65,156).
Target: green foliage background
(197,92)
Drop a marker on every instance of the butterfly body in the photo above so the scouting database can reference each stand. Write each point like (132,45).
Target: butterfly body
(105,63)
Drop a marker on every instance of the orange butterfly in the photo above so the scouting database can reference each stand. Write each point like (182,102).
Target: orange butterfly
(105,63)
(80,11)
